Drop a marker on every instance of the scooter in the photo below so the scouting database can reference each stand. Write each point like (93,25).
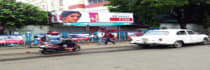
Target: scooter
(49,48)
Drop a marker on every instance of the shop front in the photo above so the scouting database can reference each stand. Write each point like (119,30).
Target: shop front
(89,22)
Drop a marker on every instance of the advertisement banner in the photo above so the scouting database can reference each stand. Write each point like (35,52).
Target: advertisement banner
(91,18)
(2,39)
(11,39)
(95,24)
(79,36)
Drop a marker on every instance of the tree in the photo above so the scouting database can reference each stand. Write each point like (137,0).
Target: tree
(146,11)
(194,11)
(16,14)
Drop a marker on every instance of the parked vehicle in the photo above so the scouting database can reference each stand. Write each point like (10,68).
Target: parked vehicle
(49,48)
(170,37)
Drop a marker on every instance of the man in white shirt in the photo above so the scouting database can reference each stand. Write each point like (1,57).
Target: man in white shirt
(100,35)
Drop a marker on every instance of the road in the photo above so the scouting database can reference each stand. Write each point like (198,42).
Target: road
(191,57)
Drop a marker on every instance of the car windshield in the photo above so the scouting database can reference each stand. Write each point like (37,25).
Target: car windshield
(157,33)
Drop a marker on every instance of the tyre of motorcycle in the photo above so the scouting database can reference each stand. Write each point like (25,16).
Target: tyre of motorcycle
(43,51)
(76,49)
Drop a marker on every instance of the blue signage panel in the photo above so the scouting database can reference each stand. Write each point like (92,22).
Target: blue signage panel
(28,38)
(95,24)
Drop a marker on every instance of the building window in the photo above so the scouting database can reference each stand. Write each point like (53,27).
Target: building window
(95,1)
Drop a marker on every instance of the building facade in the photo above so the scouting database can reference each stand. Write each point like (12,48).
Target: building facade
(95,16)
(69,5)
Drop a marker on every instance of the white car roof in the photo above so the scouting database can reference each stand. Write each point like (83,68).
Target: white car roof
(172,31)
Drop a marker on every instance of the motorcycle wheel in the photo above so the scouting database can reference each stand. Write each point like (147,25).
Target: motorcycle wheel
(43,51)
(76,49)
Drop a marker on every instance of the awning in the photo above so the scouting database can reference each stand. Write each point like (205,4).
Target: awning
(95,24)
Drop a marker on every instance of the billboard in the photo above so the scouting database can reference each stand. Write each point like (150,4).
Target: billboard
(11,39)
(79,36)
(85,18)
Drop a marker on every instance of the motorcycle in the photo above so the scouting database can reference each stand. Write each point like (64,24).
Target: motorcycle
(48,48)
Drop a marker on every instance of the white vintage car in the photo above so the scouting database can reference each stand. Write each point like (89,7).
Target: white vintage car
(170,37)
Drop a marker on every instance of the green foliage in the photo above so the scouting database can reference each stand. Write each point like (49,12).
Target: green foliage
(206,21)
(146,11)
(17,14)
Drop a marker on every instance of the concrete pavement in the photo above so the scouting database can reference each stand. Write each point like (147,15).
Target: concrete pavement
(186,58)
(25,50)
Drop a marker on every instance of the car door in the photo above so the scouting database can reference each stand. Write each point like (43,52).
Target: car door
(192,36)
(183,36)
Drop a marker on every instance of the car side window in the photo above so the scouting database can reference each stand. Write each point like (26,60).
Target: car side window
(190,32)
(181,33)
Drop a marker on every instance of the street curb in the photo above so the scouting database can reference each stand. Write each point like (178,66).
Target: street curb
(90,46)
(36,51)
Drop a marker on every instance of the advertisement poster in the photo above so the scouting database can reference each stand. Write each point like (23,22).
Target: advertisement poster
(94,17)
(79,36)
(2,39)
(11,39)
(91,18)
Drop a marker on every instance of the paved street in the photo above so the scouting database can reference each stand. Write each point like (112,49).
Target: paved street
(64,34)
(20,53)
(191,57)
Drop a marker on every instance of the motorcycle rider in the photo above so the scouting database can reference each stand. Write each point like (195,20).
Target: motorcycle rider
(68,44)
(54,38)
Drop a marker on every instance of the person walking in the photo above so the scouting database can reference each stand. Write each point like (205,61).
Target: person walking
(100,37)
(108,37)
(54,38)
(91,37)
(36,41)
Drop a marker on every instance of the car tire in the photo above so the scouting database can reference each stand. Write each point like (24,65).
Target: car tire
(178,44)
(141,46)
(205,42)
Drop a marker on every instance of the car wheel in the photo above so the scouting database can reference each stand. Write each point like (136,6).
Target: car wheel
(142,46)
(178,44)
(205,42)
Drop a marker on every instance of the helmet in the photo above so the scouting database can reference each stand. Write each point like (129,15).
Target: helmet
(54,33)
